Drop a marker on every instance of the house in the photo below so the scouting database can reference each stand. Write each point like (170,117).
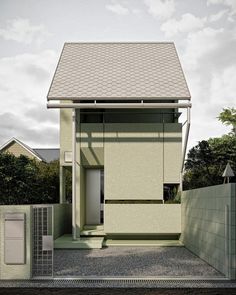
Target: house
(120,133)
(17,148)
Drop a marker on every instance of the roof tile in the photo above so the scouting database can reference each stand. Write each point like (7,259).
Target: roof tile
(118,70)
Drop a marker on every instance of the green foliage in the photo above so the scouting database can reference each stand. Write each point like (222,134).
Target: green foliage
(207,160)
(175,200)
(228,117)
(26,181)
(68,184)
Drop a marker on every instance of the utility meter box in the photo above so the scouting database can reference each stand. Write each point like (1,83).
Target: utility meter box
(14,238)
(68,157)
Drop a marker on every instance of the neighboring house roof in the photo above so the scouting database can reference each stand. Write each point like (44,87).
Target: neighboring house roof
(31,151)
(46,155)
(118,71)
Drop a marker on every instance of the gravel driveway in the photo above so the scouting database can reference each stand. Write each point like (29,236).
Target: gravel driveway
(131,261)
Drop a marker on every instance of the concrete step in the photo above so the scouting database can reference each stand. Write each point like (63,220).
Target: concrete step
(93,227)
(142,243)
(66,242)
(93,233)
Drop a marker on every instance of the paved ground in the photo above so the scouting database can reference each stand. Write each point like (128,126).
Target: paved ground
(131,261)
(117,291)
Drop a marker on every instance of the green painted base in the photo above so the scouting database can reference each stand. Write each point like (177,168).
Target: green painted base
(66,242)
(142,243)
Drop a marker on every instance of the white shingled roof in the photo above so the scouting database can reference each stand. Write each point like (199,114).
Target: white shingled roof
(118,71)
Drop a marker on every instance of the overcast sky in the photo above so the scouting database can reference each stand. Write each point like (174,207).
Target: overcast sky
(32,34)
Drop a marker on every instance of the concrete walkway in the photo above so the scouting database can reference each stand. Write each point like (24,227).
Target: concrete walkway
(132,262)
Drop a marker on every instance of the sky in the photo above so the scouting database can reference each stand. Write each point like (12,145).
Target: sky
(32,34)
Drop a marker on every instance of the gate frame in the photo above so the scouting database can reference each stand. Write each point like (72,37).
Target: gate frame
(32,239)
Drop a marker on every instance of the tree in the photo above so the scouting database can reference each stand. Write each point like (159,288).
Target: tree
(207,161)
(228,117)
(26,181)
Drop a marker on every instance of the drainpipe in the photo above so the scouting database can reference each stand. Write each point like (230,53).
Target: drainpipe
(186,138)
(74,174)
(185,146)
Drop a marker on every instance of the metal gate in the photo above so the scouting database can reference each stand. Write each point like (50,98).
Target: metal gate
(42,264)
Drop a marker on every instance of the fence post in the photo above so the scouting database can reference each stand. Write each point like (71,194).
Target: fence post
(228,242)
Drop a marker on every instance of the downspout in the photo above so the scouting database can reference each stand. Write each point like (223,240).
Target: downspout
(74,174)
(185,146)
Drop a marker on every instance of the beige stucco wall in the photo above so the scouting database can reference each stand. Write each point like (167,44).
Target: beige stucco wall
(62,219)
(21,271)
(133,161)
(16,149)
(172,151)
(137,158)
(65,132)
(92,144)
(142,218)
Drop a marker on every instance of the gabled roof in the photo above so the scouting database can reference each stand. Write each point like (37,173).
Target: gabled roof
(48,155)
(42,154)
(228,172)
(118,71)
(31,151)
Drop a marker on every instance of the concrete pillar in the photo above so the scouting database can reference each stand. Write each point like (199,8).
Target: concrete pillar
(74,234)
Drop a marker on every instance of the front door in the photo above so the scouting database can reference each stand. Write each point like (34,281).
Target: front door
(94,196)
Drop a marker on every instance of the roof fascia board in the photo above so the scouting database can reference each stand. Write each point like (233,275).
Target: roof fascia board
(118,105)
(118,98)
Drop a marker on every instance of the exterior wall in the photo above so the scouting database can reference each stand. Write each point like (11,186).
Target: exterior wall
(133,161)
(142,218)
(132,152)
(16,149)
(172,151)
(137,159)
(65,133)
(92,144)
(207,231)
(62,219)
(82,197)
(21,271)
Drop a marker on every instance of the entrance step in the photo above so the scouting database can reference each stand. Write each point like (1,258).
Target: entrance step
(93,230)
(93,227)
(143,243)
(66,242)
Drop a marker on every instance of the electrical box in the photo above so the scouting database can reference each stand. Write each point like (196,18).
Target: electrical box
(14,238)
(68,157)
(47,243)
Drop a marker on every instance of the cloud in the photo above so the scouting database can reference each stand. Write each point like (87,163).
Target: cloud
(199,44)
(22,31)
(162,9)
(217,16)
(229,3)
(24,82)
(187,23)
(209,63)
(223,85)
(14,125)
(117,8)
